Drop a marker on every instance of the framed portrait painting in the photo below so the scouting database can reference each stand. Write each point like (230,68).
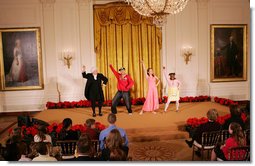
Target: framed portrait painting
(21,59)
(228,52)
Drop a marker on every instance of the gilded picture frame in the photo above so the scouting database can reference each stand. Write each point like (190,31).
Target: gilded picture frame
(21,59)
(228,52)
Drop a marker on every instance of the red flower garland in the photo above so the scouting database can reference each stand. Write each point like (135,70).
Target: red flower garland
(138,101)
(195,122)
(33,130)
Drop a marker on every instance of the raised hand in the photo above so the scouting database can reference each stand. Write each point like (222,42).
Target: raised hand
(83,68)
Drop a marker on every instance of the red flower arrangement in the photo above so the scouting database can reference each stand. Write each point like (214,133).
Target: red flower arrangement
(195,122)
(54,127)
(137,101)
(224,101)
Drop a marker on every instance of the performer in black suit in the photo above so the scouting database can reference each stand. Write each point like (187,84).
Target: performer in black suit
(93,89)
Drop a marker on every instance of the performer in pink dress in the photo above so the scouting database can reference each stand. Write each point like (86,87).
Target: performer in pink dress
(151,103)
(173,90)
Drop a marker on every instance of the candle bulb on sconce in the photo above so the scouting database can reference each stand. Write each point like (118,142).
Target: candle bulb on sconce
(187,53)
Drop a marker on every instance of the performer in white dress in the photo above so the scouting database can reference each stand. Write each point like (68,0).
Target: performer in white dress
(173,90)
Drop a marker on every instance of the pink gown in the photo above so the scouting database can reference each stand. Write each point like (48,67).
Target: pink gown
(151,103)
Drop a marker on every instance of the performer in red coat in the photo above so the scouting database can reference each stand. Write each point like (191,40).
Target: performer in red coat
(124,85)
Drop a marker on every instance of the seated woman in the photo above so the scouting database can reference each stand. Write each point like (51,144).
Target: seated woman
(42,135)
(235,113)
(66,133)
(237,138)
(211,125)
(115,149)
(91,130)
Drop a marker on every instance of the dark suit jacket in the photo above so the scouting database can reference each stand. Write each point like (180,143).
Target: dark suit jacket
(233,119)
(206,127)
(93,89)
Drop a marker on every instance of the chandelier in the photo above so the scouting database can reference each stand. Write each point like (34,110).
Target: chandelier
(158,9)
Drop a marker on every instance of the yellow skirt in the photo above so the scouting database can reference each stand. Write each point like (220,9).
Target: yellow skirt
(173,94)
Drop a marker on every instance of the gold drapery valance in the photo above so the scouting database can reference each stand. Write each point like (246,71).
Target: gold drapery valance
(118,13)
(122,38)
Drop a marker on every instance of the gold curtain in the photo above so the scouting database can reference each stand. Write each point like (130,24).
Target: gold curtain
(122,38)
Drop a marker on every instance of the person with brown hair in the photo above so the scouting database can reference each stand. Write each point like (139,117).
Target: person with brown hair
(91,130)
(42,135)
(236,139)
(115,149)
(84,149)
(42,150)
(22,148)
(151,103)
(236,113)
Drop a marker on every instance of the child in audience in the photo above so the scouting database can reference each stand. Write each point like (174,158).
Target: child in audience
(236,139)
(42,135)
(66,133)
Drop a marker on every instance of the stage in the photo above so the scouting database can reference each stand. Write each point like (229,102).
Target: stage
(152,137)
(138,126)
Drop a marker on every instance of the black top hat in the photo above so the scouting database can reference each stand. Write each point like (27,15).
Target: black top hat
(122,68)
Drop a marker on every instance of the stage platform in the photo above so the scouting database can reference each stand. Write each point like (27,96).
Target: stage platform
(146,127)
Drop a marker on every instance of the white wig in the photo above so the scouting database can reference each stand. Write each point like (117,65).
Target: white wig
(93,69)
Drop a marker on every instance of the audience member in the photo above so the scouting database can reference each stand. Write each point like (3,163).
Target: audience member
(42,135)
(115,149)
(66,133)
(85,150)
(211,125)
(42,150)
(1,152)
(90,130)
(23,152)
(235,112)
(104,133)
(237,138)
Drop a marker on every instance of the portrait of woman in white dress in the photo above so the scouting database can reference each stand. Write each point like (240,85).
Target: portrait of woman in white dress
(17,71)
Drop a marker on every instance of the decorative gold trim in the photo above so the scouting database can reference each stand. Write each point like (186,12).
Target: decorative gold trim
(39,59)
(212,67)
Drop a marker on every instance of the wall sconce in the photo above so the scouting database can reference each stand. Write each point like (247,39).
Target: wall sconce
(67,57)
(187,52)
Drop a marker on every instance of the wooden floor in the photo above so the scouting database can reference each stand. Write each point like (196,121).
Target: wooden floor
(147,120)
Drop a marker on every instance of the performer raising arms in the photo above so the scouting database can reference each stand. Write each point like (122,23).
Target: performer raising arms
(124,84)
(173,89)
(93,89)
(151,103)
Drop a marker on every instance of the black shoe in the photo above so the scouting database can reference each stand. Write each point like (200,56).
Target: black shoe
(198,153)
(100,114)
(94,115)
(190,143)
